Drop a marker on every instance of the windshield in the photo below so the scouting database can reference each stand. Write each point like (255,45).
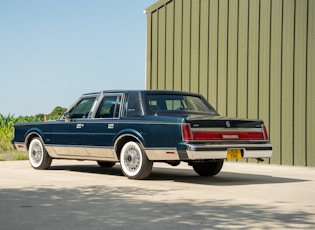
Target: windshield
(158,102)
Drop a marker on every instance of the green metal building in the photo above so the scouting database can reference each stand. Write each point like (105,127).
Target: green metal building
(249,58)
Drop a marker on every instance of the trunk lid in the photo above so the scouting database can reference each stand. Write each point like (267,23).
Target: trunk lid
(221,122)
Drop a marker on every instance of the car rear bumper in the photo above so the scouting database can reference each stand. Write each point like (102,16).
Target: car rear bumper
(206,151)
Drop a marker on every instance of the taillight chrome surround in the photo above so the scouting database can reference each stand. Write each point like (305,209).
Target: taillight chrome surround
(186,132)
(265,132)
(220,134)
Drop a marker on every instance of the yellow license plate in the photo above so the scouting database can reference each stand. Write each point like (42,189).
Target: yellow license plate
(234,154)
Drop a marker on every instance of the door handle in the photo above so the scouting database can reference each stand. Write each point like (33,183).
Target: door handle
(79,126)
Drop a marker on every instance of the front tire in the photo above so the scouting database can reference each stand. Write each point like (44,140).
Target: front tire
(134,162)
(207,168)
(38,155)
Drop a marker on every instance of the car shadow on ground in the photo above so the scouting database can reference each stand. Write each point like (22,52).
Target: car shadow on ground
(146,205)
(224,178)
(111,207)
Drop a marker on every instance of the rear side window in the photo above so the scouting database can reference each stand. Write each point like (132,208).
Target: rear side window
(109,107)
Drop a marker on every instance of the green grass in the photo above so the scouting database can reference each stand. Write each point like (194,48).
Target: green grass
(14,156)
(18,156)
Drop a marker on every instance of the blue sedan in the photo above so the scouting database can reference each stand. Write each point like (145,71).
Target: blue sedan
(138,128)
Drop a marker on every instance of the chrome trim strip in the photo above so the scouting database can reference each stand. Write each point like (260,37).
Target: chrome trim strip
(51,151)
(78,146)
(220,151)
(158,154)
(128,135)
(102,153)
(205,155)
(143,123)
(257,154)
(198,155)
(83,133)
(192,146)
(106,120)
(241,130)
(80,152)
(70,151)
(223,141)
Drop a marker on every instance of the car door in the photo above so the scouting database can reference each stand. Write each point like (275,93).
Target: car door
(69,137)
(103,127)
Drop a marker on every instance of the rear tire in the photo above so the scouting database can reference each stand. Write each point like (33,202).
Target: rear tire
(134,162)
(106,164)
(38,156)
(207,168)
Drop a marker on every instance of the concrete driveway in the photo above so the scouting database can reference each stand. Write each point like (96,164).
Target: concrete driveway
(81,195)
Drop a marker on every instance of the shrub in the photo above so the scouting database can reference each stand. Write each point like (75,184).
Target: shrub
(6,129)
(6,132)
(7,126)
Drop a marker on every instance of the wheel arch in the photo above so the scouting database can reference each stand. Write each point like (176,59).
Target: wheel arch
(32,134)
(125,136)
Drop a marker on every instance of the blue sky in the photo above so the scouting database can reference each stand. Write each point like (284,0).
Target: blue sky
(51,52)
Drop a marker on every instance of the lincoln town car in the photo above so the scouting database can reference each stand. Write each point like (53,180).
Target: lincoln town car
(136,128)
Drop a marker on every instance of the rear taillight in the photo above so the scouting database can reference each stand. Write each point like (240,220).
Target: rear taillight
(265,132)
(186,132)
(194,135)
(209,135)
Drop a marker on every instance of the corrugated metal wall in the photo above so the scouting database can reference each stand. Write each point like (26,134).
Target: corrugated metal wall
(250,58)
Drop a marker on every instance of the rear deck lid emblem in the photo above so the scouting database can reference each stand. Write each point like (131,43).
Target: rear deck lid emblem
(228,124)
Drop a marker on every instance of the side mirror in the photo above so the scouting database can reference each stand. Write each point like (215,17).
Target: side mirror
(67,116)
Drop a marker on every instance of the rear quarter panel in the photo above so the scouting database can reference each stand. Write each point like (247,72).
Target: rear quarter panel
(153,131)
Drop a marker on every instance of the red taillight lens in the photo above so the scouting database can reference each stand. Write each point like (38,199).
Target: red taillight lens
(207,135)
(189,135)
(252,136)
(186,132)
(228,135)
(265,132)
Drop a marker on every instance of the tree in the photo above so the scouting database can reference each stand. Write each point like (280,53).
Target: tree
(57,112)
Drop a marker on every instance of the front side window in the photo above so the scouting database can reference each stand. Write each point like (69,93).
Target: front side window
(109,107)
(83,108)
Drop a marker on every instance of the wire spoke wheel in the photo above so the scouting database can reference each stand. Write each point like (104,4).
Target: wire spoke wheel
(38,155)
(134,161)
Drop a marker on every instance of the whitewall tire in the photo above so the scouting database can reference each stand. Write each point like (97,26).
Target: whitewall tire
(134,162)
(38,155)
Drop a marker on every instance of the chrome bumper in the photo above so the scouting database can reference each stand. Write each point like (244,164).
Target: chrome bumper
(204,151)
(208,152)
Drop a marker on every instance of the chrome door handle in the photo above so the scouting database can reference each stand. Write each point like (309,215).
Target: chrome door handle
(79,126)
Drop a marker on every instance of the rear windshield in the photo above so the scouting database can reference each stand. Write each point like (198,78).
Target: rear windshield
(158,102)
